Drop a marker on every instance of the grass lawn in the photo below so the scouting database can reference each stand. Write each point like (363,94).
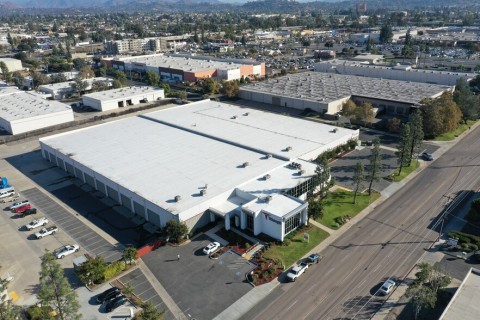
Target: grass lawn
(455,133)
(298,247)
(340,203)
(405,172)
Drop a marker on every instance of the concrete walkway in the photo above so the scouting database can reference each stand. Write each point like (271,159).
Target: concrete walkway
(211,234)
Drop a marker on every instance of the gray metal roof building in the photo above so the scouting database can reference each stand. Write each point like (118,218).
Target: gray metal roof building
(326,92)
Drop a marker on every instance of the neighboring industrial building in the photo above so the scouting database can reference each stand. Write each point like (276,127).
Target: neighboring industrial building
(23,111)
(154,44)
(122,97)
(397,72)
(189,68)
(63,90)
(326,92)
(202,162)
(12,64)
(464,304)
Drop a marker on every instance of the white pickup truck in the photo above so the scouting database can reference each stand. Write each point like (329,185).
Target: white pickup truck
(46,231)
(297,271)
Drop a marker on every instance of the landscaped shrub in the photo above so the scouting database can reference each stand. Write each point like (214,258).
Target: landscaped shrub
(271,270)
(114,269)
(464,237)
(286,242)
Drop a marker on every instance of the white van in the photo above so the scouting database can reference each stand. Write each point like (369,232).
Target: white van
(7,192)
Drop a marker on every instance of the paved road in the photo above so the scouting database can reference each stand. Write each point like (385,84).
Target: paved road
(387,243)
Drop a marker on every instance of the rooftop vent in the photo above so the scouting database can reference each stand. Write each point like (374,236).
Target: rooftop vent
(203,192)
(178,198)
(268,156)
(288,148)
(268,198)
(295,165)
(245,164)
(266,177)
(234,117)
(301,172)
(246,114)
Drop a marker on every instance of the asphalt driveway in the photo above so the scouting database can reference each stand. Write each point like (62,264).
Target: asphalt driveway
(201,287)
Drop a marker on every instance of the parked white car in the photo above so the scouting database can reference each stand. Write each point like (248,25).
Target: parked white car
(37,223)
(64,251)
(211,248)
(297,271)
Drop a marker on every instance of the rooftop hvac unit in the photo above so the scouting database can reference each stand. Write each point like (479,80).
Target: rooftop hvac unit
(245,164)
(234,117)
(178,198)
(288,148)
(246,114)
(266,177)
(203,192)
(268,198)
(301,172)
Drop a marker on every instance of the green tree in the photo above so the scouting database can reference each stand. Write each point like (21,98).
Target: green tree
(416,135)
(10,40)
(78,86)
(422,297)
(55,291)
(120,76)
(39,79)
(315,209)
(116,84)
(440,115)
(386,33)
(99,85)
(358,180)
(18,79)
(86,72)
(404,147)
(149,312)
(7,76)
(375,167)
(129,254)
(152,78)
(92,271)
(210,86)
(166,88)
(176,230)
(349,108)
(78,63)
(57,78)
(364,113)
(230,88)
(468,103)
(394,124)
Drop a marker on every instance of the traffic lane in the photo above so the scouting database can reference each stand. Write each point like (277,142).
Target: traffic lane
(413,208)
(66,222)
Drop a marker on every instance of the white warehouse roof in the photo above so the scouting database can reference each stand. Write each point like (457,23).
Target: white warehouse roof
(178,151)
(114,94)
(268,133)
(21,105)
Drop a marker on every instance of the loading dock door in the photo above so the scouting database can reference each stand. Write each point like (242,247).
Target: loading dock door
(126,202)
(101,187)
(276,101)
(139,209)
(112,193)
(153,218)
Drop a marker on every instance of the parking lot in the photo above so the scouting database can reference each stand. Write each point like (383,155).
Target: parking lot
(201,287)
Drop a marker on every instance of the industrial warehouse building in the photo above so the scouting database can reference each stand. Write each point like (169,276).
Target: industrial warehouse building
(326,92)
(202,162)
(189,68)
(398,72)
(12,64)
(63,90)
(122,97)
(23,111)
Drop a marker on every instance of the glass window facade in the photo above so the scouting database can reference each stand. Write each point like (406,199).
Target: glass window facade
(292,223)
(301,188)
